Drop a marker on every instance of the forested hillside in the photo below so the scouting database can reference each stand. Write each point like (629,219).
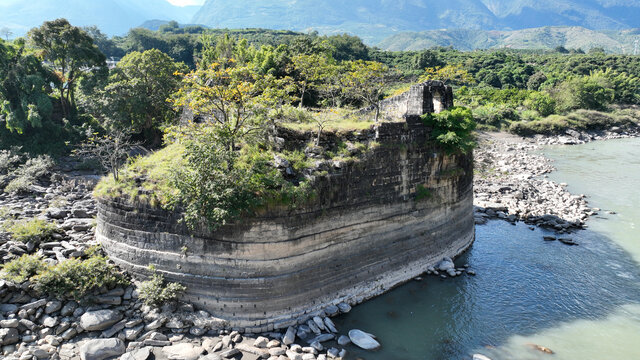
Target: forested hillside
(615,41)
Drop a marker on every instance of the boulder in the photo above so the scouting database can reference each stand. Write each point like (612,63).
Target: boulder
(9,336)
(289,336)
(99,320)
(363,340)
(99,349)
(138,354)
(445,264)
(184,351)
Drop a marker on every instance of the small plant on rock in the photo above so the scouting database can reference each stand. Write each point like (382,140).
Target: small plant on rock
(156,292)
(36,230)
(23,268)
(77,278)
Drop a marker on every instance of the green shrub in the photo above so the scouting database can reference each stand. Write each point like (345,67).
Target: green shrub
(77,278)
(23,268)
(422,192)
(541,102)
(497,116)
(155,292)
(29,172)
(452,129)
(37,230)
(554,124)
(218,185)
(9,159)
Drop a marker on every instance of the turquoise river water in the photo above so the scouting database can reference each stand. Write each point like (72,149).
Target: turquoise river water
(582,302)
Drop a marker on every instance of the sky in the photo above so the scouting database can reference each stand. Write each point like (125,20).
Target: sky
(186,2)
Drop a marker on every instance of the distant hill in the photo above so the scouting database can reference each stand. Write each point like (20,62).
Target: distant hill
(616,41)
(114,17)
(374,20)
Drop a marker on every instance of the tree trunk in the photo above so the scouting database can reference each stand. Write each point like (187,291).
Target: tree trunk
(304,89)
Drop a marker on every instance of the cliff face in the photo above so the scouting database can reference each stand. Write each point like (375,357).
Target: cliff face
(373,225)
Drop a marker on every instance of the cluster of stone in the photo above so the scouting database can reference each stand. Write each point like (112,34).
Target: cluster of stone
(67,202)
(573,137)
(118,324)
(511,184)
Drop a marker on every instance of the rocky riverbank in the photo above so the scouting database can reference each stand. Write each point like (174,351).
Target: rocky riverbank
(511,181)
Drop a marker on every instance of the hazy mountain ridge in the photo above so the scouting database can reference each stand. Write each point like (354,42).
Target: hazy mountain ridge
(616,41)
(374,20)
(114,17)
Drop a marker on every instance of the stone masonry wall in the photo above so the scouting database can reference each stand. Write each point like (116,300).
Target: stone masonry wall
(427,97)
(366,232)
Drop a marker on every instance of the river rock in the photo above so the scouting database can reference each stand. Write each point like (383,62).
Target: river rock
(52,306)
(445,264)
(11,323)
(322,338)
(99,349)
(9,336)
(261,342)
(99,320)
(363,340)
(183,351)
(138,354)
(262,353)
(343,340)
(332,310)
(8,308)
(344,307)
(289,336)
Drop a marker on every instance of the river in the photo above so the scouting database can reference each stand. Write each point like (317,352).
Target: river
(582,302)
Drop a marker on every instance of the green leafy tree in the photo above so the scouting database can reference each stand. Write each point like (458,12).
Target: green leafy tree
(541,102)
(366,80)
(24,90)
(71,51)
(448,74)
(230,96)
(309,71)
(135,97)
(586,92)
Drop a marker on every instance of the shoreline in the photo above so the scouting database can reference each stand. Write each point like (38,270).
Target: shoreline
(511,180)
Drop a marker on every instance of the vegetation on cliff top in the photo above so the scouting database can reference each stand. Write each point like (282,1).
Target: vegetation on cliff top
(226,158)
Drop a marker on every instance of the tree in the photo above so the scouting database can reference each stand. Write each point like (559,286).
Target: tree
(111,150)
(448,74)
(24,89)
(6,32)
(106,45)
(309,71)
(330,88)
(71,51)
(230,97)
(348,48)
(136,95)
(366,81)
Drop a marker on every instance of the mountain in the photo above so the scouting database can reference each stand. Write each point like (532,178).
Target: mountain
(375,19)
(114,17)
(575,37)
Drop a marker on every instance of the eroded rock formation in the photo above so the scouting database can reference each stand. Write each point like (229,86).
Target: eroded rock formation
(374,224)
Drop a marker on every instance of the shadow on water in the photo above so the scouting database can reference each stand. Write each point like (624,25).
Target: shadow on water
(524,285)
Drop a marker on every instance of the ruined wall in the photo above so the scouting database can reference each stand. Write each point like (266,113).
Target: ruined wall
(367,231)
(427,97)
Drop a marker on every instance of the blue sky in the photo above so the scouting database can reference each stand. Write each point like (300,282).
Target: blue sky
(186,2)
